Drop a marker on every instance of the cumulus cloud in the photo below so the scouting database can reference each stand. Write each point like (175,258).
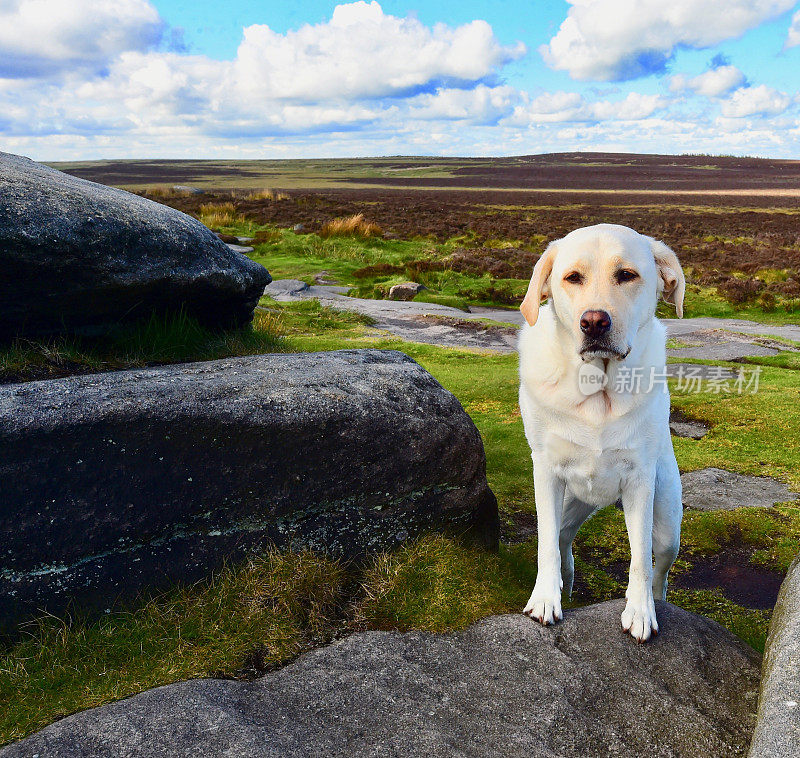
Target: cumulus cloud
(363,52)
(362,82)
(331,76)
(712,83)
(562,107)
(481,105)
(793,35)
(756,101)
(43,37)
(616,40)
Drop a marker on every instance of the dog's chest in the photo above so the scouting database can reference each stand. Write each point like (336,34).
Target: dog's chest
(594,476)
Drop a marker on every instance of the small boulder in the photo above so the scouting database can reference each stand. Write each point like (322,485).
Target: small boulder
(406,291)
(506,687)
(81,257)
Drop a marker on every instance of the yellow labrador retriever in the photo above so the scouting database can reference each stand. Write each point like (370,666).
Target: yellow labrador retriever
(596,409)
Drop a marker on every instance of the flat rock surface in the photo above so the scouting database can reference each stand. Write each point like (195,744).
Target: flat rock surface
(682,426)
(117,482)
(78,256)
(714,489)
(504,687)
(710,338)
(719,345)
(777,733)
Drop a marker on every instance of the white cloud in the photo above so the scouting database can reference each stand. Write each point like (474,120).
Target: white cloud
(634,107)
(614,40)
(484,105)
(363,52)
(360,65)
(713,83)
(755,101)
(562,107)
(364,82)
(793,35)
(43,37)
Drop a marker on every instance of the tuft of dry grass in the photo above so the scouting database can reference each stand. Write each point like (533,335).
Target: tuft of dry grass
(267,194)
(350,226)
(165,192)
(437,584)
(217,215)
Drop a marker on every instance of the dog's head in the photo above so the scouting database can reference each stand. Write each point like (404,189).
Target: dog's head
(604,282)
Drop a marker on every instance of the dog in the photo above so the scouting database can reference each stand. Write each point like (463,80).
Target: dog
(595,409)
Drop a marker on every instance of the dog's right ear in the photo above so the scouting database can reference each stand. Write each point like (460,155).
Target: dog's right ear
(538,288)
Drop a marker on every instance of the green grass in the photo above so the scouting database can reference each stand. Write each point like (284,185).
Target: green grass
(241,622)
(750,433)
(172,338)
(437,584)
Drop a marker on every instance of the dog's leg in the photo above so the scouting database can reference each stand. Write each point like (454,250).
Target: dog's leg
(639,616)
(667,515)
(575,513)
(545,602)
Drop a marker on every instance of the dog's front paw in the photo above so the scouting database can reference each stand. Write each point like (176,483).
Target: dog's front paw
(545,604)
(639,618)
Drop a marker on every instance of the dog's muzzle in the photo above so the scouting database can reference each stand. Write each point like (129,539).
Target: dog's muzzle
(592,350)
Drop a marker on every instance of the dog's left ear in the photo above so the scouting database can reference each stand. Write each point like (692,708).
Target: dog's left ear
(537,289)
(673,282)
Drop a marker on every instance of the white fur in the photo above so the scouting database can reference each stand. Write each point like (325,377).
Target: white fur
(614,444)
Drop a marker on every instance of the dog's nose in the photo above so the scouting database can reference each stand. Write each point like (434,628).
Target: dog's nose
(595,323)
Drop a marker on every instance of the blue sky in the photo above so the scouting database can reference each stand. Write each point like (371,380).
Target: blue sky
(86,79)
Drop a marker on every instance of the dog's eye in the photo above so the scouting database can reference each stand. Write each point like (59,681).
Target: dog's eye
(626,275)
(573,278)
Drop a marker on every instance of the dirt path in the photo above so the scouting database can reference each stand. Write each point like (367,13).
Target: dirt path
(495,329)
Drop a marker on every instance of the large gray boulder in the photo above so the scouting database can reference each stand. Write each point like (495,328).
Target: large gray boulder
(80,256)
(777,733)
(117,482)
(505,687)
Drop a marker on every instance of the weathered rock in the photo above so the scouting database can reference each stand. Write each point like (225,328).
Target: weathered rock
(714,489)
(79,256)
(405,291)
(777,733)
(243,249)
(285,288)
(682,426)
(188,189)
(719,345)
(121,481)
(504,687)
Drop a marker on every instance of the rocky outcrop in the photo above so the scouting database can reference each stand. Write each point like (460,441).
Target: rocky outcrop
(777,733)
(505,687)
(78,256)
(116,482)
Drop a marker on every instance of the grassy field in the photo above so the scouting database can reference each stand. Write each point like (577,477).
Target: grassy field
(251,618)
